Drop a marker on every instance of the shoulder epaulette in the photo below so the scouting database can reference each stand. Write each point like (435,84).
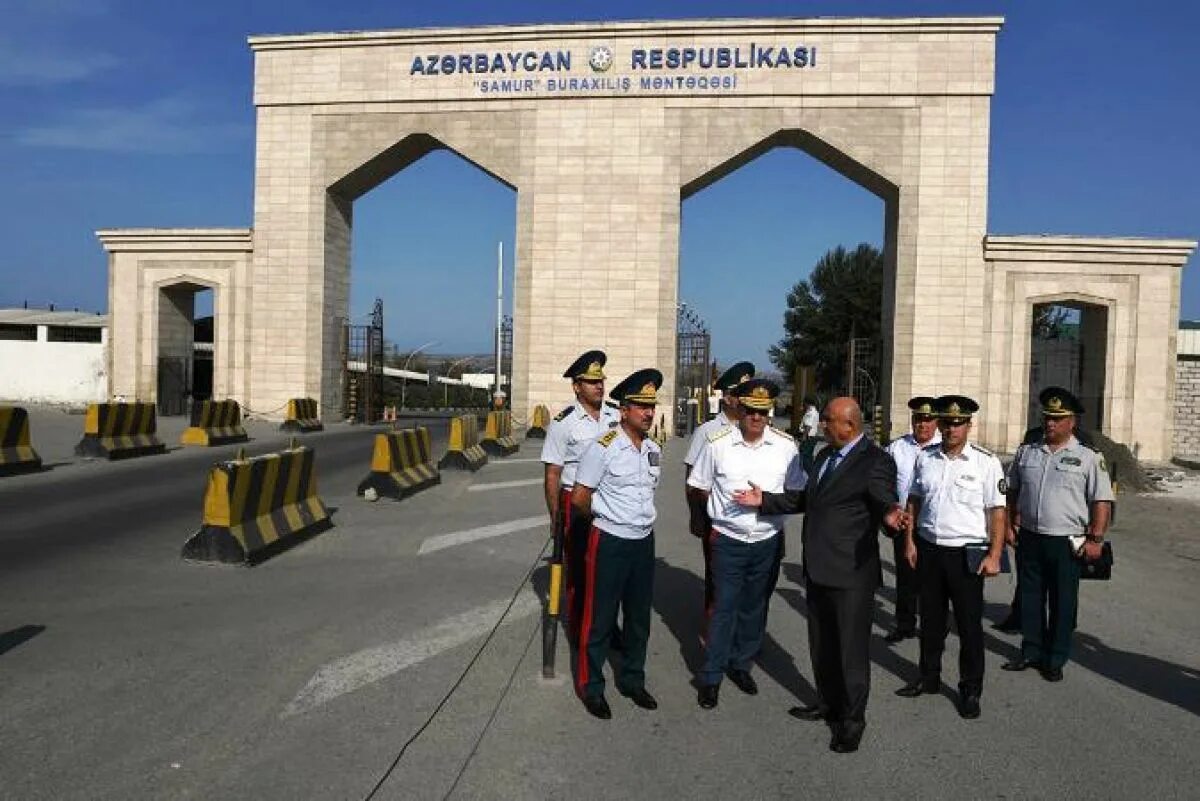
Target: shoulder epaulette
(612,405)
(565,413)
(982,450)
(608,438)
(783,433)
(716,434)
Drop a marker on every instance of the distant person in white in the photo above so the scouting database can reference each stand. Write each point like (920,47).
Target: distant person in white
(810,423)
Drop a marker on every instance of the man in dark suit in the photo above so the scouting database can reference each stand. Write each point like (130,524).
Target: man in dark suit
(851,492)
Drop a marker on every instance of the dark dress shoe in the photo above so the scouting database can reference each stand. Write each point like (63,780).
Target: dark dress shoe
(846,737)
(1010,625)
(1019,664)
(706,696)
(744,681)
(1052,674)
(919,687)
(814,712)
(899,635)
(642,698)
(968,706)
(597,706)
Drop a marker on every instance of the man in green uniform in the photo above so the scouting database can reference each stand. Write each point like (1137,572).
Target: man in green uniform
(1060,499)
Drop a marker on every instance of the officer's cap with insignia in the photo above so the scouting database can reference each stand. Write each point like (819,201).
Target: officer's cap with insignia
(588,367)
(1057,402)
(757,393)
(922,405)
(739,373)
(640,387)
(955,408)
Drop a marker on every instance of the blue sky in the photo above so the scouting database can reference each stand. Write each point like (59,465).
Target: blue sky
(121,113)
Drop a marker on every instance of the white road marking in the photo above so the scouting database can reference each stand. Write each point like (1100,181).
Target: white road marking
(482,533)
(496,485)
(370,665)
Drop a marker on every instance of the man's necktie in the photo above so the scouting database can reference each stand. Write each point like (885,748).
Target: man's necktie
(830,466)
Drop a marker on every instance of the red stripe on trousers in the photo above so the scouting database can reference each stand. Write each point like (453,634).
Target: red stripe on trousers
(712,605)
(585,628)
(564,512)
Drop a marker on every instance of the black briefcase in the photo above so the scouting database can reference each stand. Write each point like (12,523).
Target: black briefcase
(1101,569)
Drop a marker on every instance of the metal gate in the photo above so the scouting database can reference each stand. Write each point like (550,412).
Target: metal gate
(1052,362)
(173,386)
(362,360)
(693,354)
(863,381)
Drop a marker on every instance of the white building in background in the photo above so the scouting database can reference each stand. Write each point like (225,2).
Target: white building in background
(53,357)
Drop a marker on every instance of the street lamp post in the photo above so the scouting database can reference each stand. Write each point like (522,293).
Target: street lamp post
(450,373)
(404,379)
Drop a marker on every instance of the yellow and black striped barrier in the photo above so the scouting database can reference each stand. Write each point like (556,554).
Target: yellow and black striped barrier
(464,451)
(120,431)
(215,423)
(497,436)
(302,416)
(401,465)
(539,422)
(16,452)
(254,508)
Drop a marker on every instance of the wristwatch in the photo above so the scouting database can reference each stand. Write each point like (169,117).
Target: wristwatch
(1095,538)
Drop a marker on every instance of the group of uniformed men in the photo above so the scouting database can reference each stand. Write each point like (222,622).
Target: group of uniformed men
(947,503)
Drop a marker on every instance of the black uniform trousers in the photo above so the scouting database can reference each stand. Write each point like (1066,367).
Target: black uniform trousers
(944,580)
(1049,593)
(907,588)
(619,575)
(839,637)
(743,573)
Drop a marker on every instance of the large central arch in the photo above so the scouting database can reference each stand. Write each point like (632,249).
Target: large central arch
(900,106)
(602,129)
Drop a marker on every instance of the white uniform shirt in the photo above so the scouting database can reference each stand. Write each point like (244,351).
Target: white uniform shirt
(570,433)
(729,463)
(624,479)
(810,423)
(904,451)
(956,494)
(701,434)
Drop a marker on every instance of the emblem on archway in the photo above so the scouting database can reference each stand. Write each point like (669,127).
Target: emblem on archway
(601,58)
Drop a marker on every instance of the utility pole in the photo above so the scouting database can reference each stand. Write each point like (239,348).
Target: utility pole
(497,393)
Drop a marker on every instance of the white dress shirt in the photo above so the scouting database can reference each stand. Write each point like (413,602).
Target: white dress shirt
(956,494)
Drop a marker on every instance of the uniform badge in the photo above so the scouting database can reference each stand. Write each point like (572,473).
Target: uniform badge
(612,424)
(1072,460)
(654,457)
(1002,485)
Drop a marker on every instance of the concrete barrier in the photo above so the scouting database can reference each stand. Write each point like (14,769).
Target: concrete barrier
(497,436)
(215,423)
(120,431)
(539,422)
(401,464)
(16,451)
(464,452)
(254,508)
(302,416)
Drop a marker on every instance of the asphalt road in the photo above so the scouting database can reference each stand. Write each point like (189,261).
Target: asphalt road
(128,673)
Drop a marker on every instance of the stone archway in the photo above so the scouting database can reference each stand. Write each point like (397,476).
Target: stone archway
(602,128)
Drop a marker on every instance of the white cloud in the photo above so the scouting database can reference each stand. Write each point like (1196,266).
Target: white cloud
(169,126)
(20,66)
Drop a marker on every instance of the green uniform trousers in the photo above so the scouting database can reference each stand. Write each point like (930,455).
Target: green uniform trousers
(1048,580)
(619,576)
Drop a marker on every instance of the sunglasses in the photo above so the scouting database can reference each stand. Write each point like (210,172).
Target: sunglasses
(943,422)
(746,410)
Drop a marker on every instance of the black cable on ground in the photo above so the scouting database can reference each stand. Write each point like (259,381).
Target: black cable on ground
(461,678)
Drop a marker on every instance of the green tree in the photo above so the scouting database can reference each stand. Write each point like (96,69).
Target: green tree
(843,298)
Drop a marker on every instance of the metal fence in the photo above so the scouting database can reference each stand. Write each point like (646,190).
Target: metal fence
(362,393)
